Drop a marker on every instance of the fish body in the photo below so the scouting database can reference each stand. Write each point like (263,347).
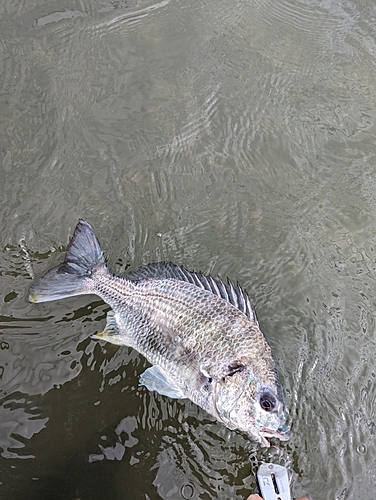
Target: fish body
(201,335)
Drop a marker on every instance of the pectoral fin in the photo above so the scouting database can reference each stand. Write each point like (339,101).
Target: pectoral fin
(155,379)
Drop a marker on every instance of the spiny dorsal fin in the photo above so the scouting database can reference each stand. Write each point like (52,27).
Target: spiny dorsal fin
(233,294)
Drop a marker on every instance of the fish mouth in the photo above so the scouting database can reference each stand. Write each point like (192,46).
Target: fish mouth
(283,433)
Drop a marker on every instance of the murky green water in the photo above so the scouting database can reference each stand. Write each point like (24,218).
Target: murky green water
(236,138)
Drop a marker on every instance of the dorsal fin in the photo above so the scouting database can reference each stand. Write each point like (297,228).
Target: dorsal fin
(233,294)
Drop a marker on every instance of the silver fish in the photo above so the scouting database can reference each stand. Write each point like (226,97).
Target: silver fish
(201,335)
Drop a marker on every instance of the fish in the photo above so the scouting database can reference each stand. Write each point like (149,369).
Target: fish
(200,334)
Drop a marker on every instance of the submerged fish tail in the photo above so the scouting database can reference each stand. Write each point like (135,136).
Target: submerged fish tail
(84,257)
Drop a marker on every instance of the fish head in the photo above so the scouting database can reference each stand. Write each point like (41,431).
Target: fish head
(251,400)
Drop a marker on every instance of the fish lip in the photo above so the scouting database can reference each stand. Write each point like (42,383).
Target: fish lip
(283,434)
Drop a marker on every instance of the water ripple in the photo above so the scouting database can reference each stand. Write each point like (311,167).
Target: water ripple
(133,17)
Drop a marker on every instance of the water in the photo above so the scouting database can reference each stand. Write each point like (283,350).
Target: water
(236,138)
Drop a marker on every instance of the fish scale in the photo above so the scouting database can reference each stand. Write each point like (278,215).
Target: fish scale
(201,335)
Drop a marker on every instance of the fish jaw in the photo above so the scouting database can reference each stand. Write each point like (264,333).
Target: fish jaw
(272,426)
(283,434)
(263,435)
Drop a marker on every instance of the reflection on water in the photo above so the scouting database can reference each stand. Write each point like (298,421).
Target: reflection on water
(234,138)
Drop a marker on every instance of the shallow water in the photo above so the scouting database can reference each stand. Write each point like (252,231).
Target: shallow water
(236,138)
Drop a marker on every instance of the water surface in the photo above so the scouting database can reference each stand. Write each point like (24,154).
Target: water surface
(235,138)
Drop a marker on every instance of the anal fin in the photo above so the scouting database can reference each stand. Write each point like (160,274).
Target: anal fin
(155,379)
(111,333)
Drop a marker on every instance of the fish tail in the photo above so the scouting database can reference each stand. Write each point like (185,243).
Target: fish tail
(72,277)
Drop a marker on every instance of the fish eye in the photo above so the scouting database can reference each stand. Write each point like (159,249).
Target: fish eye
(268,402)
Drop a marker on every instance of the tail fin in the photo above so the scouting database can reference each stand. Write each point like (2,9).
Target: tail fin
(72,277)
